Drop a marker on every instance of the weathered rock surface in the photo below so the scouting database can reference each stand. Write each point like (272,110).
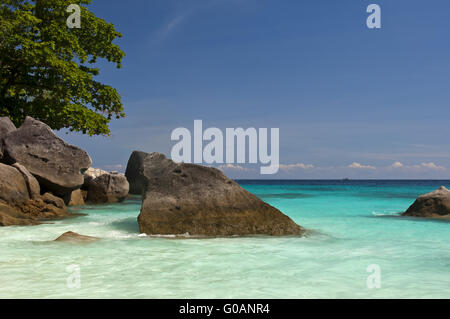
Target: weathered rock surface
(13,188)
(6,127)
(75,238)
(105,187)
(92,173)
(58,166)
(20,204)
(135,172)
(34,189)
(75,198)
(12,217)
(186,198)
(47,206)
(431,205)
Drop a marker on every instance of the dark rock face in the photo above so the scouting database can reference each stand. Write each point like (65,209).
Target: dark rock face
(432,205)
(58,166)
(202,201)
(75,238)
(105,187)
(135,172)
(6,127)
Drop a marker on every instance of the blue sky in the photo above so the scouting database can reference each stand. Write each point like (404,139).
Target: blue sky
(349,101)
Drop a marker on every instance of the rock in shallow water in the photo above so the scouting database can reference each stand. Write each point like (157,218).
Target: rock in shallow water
(58,166)
(75,238)
(186,198)
(105,187)
(21,204)
(434,204)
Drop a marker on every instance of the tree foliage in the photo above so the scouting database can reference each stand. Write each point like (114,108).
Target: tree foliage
(47,70)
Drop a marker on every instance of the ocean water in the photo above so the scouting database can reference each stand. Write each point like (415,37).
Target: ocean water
(354,224)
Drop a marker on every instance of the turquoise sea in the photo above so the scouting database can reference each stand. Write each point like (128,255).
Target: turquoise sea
(354,224)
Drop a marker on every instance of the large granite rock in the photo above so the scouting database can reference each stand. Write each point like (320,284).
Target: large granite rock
(105,187)
(186,198)
(58,166)
(135,172)
(21,204)
(434,204)
(6,127)
(75,238)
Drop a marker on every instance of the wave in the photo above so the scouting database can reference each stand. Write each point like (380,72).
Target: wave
(386,214)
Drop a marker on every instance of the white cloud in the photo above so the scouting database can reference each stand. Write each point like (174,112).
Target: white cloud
(359,166)
(172,24)
(295,166)
(232,167)
(396,165)
(422,166)
(432,165)
(115,167)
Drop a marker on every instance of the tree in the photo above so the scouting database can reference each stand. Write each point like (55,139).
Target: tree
(47,69)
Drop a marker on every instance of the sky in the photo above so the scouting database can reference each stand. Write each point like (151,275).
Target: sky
(350,102)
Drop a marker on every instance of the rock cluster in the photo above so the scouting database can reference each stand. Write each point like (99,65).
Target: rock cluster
(21,202)
(40,174)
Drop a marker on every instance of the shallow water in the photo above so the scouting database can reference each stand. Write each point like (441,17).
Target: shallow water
(355,224)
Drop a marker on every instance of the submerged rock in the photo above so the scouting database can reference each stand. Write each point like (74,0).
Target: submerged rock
(135,172)
(58,166)
(105,187)
(74,237)
(6,127)
(434,204)
(186,198)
